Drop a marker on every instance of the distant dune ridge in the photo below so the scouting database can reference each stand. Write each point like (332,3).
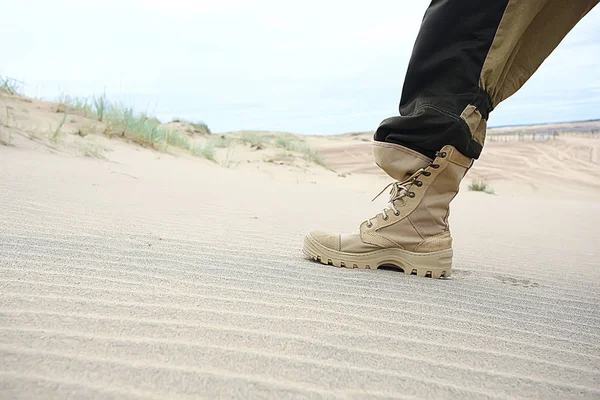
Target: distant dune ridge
(140,263)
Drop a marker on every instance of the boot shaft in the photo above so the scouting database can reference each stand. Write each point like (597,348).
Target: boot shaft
(397,161)
(423,211)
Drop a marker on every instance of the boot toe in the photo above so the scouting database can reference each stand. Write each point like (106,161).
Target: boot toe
(328,240)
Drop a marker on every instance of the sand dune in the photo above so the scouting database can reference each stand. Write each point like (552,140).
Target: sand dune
(153,276)
(568,167)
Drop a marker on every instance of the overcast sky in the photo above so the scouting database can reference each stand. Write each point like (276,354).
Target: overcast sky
(308,66)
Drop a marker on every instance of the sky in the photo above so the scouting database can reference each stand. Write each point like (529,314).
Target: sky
(314,67)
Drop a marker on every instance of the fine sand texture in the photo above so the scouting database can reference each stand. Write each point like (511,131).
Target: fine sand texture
(152,276)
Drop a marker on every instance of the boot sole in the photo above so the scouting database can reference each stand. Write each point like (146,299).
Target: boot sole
(437,264)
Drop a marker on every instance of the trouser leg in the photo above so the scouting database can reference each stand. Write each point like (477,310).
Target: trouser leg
(468,57)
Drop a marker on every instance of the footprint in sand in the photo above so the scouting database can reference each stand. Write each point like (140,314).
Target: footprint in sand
(517,282)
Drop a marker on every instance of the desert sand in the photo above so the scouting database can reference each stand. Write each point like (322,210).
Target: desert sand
(131,273)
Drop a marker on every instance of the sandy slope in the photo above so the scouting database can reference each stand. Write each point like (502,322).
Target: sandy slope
(141,277)
(568,167)
(145,275)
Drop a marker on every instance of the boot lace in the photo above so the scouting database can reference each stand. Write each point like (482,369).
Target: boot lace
(399,190)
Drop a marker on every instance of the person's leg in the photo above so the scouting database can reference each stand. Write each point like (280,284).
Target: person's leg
(468,57)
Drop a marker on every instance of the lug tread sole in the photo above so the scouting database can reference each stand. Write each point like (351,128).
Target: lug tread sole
(435,265)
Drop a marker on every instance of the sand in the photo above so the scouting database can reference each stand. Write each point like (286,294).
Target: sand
(148,275)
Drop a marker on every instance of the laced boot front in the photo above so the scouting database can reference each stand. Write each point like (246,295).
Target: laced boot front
(412,232)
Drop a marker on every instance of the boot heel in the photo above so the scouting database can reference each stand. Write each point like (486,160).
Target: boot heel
(436,264)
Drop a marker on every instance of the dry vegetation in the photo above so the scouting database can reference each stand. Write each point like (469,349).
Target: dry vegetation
(98,116)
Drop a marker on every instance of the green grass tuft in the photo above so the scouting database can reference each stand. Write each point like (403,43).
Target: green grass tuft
(287,142)
(481,186)
(7,117)
(292,143)
(55,134)
(6,138)
(253,139)
(122,121)
(100,106)
(77,104)
(315,157)
(201,128)
(207,150)
(91,150)
(10,85)
(177,140)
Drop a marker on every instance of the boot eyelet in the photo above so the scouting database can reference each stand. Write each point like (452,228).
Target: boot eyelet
(419,183)
(435,166)
(427,173)
(397,214)
(385,217)
(443,154)
(411,194)
(369,225)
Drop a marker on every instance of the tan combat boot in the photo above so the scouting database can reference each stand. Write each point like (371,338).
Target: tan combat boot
(412,232)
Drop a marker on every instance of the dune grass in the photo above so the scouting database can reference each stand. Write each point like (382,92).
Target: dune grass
(197,127)
(315,157)
(207,150)
(120,120)
(176,140)
(139,128)
(6,137)
(10,85)
(201,127)
(100,106)
(481,186)
(91,149)
(55,133)
(294,144)
(254,139)
(286,142)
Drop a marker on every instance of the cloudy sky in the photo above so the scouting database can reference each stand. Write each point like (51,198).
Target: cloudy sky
(326,66)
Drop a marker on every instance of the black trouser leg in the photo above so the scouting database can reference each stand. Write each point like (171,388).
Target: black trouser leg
(468,57)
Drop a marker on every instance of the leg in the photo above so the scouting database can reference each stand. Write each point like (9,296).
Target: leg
(469,56)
